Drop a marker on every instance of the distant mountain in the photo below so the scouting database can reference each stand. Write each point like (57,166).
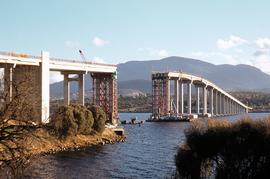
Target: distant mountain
(229,77)
(140,85)
(134,77)
(125,88)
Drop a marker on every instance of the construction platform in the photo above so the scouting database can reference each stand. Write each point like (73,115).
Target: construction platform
(181,118)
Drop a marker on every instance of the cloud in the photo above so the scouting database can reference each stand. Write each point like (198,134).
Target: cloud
(257,54)
(99,42)
(72,44)
(233,41)
(263,47)
(262,62)
(263,43)
(261,52)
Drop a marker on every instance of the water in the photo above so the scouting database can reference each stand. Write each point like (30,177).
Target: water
(148,153)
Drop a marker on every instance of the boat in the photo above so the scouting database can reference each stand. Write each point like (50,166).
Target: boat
(133,121)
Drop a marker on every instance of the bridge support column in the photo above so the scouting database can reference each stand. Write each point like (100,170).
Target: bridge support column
(168,96)
(81,89)
(155,97)
(211,101)
(220,103)
(176,97)
(181,97)
(45,87)
(26,86)
(230,106)
(105,94)
(29,84)
(8,81)
(204,100)
(66,89)
(214,102)
(225,105)
(189,97)
(158,98)
(198,99)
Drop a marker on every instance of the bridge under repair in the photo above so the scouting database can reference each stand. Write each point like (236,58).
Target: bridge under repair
(215,101)
(18,66)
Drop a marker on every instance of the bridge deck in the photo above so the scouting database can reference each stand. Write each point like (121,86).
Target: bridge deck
(56,64)
(198,80)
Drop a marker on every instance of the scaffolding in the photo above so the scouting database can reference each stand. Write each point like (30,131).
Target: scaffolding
(105,94)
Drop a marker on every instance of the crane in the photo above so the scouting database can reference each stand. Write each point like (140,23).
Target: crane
(82,55)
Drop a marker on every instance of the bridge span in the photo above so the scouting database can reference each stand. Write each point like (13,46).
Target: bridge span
(210,100)
(18,67)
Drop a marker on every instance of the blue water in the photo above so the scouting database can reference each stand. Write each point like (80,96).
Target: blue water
(148,153)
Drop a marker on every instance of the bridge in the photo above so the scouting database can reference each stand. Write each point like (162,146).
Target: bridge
(18,67)
(210,100)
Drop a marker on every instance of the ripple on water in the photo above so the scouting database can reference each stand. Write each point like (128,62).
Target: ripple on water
(148,153)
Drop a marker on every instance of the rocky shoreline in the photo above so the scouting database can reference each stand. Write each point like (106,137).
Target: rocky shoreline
(41,142)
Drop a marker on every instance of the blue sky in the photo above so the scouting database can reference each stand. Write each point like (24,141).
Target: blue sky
(117,31)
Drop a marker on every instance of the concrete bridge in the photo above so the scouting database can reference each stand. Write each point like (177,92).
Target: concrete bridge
(37,68)
(212,101)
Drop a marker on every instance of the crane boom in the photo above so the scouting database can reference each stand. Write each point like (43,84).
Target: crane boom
(82,55)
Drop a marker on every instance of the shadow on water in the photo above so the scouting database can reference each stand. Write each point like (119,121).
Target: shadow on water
(148,153)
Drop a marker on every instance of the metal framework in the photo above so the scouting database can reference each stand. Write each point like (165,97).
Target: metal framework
(105,94)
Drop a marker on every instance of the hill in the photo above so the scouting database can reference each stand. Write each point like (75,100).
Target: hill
(229,77)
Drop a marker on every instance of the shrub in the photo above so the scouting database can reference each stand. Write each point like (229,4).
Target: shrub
(72,120)
(99,118)
(225,150)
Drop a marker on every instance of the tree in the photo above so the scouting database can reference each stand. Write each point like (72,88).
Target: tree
(17,117)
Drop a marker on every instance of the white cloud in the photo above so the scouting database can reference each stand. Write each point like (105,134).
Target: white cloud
(72,44)
(99,42)
(263,47)
(263,43)
(257,55)
(261,52)
(262,62)
(233,41)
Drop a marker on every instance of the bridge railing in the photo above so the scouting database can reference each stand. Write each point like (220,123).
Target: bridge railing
(24,55)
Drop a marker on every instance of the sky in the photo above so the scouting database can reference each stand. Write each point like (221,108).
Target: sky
(116,31)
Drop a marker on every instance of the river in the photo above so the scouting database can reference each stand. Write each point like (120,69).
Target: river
(148,153)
